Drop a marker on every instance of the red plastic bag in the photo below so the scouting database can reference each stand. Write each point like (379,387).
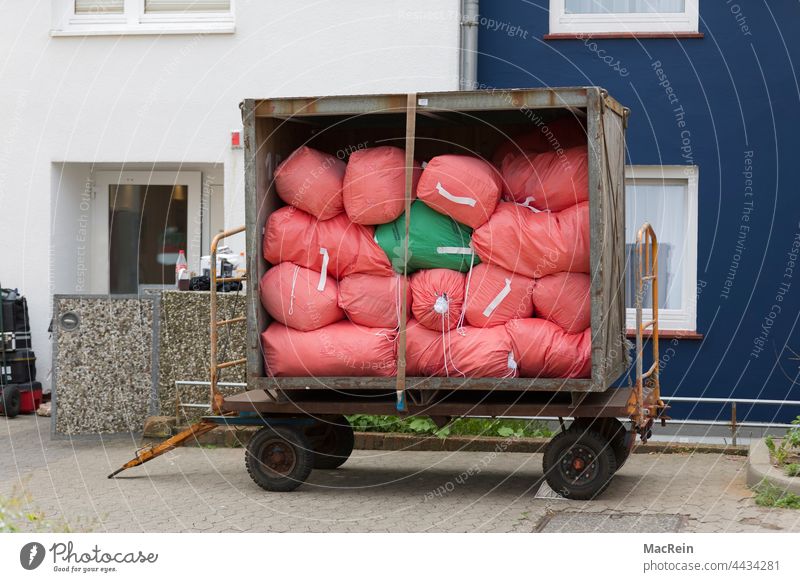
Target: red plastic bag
(437,297)
(339,349)
(375,184)
(475,353)
(311,181)
(559,134)
(373,301)
(563,298)
(544,350)
(300,298)
(535,244)
(338,245)
(495,295)
(462,187)
(547,181)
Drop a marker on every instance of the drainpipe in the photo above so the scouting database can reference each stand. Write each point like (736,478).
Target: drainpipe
(468,65)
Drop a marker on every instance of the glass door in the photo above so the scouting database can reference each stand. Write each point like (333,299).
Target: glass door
(144,220)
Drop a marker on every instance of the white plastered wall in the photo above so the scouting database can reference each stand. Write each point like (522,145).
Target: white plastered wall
(70,103)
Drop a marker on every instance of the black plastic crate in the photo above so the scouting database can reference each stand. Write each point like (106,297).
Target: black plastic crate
(15,312)
(12,341)
(18,367)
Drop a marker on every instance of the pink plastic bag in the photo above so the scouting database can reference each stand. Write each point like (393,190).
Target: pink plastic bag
(563,298)
(475,353)
(339,349)
(562,133)
(547,181)
(373,301)
(495,295)
(375,184)
(544,350)
(462,187)
(336,245)
(437,298)
(300,298)
(311,181)
(535,244)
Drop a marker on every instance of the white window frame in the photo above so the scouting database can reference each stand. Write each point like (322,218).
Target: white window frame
(134,20)
(563,23)
(684,319)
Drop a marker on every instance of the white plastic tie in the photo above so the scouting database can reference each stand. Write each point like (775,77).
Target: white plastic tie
(453,250)
(498,299)
(512,363)
(323,274)
(466,201)
(441,305)
(529,205)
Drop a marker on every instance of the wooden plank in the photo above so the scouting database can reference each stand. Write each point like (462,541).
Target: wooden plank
(606,404)
(387,384)
(411,127)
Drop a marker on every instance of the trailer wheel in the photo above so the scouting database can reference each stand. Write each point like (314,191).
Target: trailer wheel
(10,401)
(332,440)
(579,464)
(279,458)
(614,431)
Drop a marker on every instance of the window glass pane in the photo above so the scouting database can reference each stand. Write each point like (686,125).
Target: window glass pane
(623,6)
(99,6)
(664,206)
(164,6)
(147,229)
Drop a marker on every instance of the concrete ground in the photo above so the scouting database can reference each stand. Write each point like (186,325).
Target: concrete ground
(194,489)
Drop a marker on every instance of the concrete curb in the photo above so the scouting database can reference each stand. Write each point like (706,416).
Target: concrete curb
(760,469)
(394,442)
(374,441)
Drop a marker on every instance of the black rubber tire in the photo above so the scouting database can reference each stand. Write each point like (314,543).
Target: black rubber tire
(332,440)
(592,476)
(10,401)
(613,430)
(294,455)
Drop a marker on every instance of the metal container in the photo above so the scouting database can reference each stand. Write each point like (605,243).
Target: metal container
(454,122)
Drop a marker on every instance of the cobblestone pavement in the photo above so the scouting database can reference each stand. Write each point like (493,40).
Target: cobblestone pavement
(194,489)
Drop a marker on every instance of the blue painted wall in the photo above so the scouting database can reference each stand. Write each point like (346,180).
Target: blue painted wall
(739,92)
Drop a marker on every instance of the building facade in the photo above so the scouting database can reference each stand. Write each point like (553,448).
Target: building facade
(712,142)
(116,121)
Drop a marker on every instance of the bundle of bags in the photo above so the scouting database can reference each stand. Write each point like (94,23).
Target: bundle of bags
(498,263)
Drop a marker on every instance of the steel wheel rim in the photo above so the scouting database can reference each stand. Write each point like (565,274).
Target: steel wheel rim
(278,456)
(579,465)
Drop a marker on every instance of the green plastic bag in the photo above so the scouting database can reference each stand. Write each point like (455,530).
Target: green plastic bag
(435,241)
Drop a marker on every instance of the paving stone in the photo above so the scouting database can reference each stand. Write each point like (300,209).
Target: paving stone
(197,489)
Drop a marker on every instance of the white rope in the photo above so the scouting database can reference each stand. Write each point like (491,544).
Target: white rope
(444,347)
(512,366)
(291,297)
(463,315)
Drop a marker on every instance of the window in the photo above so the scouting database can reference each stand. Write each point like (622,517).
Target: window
(666,197)
(96,17)
(623,16)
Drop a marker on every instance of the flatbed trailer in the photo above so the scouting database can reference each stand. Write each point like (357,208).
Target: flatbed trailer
(303,419)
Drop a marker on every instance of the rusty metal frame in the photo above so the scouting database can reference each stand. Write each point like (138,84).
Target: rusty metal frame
(648,402)
(216,399)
